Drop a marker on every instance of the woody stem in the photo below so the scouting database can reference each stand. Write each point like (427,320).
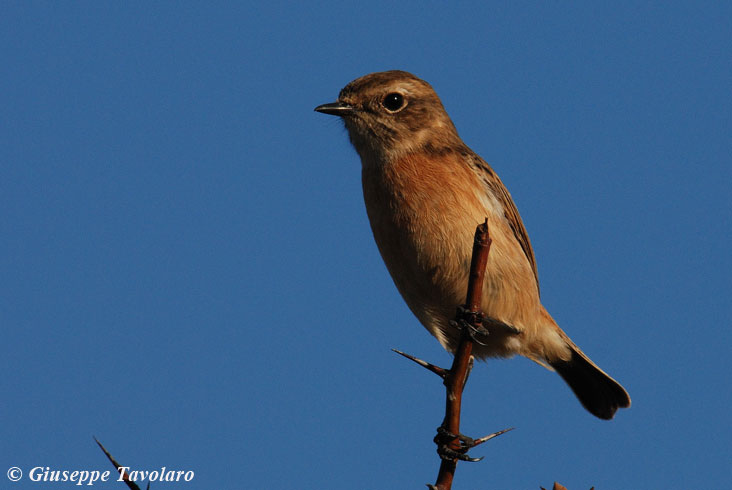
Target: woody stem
(456,377)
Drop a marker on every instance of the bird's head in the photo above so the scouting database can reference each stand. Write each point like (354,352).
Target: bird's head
(392,113)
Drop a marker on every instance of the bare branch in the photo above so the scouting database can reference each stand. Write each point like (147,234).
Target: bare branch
(441,372)
(483,439)
(451,445)
(130,484)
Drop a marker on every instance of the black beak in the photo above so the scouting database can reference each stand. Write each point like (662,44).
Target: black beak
(335,109)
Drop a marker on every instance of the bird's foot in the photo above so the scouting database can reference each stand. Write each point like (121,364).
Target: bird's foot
(444,438)
(472,323)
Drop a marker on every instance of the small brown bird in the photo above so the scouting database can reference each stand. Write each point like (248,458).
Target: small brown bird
(425,192)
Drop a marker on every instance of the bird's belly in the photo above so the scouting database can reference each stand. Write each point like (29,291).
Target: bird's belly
(429,262)
(425,232)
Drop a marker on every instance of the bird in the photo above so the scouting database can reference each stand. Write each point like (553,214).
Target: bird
(425,191)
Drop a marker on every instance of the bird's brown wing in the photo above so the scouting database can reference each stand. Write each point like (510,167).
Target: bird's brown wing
(500,192)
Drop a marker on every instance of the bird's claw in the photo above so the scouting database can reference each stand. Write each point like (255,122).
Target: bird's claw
(448,454)
(471,322)
(444,437)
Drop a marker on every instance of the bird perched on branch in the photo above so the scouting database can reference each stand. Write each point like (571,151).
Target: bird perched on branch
(425,191)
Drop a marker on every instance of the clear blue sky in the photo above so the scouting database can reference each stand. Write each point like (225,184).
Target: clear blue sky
(187,271)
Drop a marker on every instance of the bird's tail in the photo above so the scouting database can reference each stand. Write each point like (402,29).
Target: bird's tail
(600,394)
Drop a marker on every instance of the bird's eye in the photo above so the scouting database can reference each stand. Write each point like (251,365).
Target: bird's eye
(393,102)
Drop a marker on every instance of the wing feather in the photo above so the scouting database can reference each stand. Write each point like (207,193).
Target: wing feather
(512,215)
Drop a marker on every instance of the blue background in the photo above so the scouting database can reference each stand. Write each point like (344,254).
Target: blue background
(187,271)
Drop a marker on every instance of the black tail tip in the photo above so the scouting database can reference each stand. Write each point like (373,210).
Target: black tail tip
(600,394)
